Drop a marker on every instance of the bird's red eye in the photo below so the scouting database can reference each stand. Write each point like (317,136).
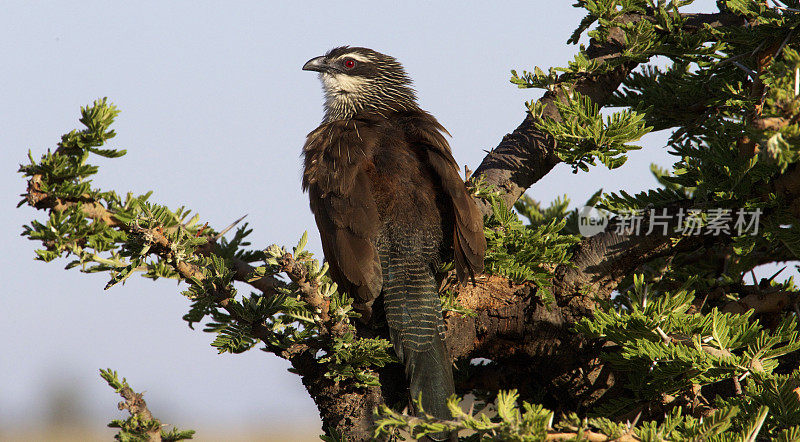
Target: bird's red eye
(349,63)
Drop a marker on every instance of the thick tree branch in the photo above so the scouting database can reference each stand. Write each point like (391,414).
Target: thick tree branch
(527,154)
(763,303)
(512,325)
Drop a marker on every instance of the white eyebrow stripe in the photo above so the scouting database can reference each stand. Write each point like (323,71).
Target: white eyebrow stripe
(355,56)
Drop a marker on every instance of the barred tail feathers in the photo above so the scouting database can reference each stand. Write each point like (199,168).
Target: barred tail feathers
(413,313)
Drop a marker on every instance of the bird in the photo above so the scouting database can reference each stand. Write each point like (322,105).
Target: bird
(390,206)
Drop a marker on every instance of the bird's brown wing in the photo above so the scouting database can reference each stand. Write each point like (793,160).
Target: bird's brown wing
(469,242)
(337,156)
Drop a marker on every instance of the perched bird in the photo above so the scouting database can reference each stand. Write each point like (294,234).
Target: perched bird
(390,207)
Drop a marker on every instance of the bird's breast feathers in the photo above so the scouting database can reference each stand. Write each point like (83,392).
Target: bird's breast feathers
(336,152)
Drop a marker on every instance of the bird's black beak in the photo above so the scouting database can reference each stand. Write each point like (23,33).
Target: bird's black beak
(316,64)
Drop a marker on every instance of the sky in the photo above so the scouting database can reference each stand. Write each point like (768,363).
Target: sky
(214,112)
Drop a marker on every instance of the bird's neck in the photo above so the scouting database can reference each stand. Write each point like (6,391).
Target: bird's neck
(344,106)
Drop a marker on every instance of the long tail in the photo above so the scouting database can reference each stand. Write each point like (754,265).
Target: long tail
(413,312)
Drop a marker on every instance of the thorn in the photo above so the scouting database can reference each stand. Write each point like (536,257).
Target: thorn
(762,416)
(703,304)
(202,229)
(749,71)
(771,278)
(785,40)
(783,8)
(758,48)
(636,419)
(227,229)
(664,336)
(731,59)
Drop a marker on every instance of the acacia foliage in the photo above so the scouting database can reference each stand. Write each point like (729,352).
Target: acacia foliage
(698,350)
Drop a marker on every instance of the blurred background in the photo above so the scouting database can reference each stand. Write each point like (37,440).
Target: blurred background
(215,110)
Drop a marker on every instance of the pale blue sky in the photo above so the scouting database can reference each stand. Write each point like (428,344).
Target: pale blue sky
(215,109)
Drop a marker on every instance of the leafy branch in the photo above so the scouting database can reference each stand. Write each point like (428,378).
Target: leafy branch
(506,420)
(141,426)
(296,310)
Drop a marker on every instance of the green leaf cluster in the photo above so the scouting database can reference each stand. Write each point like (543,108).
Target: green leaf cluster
(664,349)
(137,427)
(583,135)
(506,420)
(352,357)
(526,252)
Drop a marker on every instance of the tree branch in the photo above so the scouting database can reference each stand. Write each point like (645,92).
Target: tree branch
(141,425)
(763,303)
(93,210)
(527,154)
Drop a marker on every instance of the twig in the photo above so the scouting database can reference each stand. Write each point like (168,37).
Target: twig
(737,386)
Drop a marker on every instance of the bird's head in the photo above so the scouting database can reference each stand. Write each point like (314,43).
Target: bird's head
(356,79)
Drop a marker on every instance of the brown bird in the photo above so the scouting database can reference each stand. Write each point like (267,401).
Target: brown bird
(390,207)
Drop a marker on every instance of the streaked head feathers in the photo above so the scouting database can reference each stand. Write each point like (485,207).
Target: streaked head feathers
(355,79)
